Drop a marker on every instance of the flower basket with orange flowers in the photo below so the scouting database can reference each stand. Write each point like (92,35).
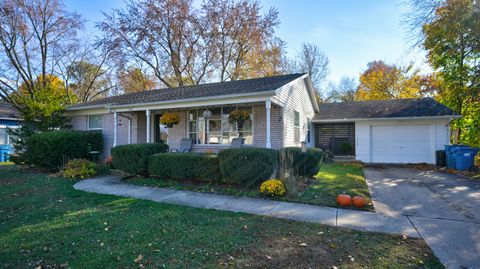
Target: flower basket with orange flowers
(169,119)
(238,116)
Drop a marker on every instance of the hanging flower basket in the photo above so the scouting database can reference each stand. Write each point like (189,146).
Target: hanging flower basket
(169,119)
(238,116)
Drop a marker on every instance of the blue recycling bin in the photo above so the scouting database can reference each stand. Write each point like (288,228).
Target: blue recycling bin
(464,158)
(450,150)
(4,153)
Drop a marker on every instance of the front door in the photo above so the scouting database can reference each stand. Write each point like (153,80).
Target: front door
(160,131)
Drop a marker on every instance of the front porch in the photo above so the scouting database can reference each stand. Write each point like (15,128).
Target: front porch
(207,126)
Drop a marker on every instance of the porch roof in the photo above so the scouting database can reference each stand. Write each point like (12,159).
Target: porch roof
(229,88)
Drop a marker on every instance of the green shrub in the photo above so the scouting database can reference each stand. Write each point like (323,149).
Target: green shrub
(52,150)
(248,166)
(133,158)
(304,164)
(79,169)
(182,166)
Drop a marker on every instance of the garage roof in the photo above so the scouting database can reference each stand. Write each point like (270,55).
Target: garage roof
(398,108)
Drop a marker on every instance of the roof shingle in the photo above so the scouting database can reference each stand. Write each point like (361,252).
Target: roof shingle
(398,108)
(196,91)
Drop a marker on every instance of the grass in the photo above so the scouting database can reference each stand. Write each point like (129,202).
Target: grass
(333,179)
(45,222)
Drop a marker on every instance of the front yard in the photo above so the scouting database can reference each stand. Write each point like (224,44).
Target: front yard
(333,179)
(45,222)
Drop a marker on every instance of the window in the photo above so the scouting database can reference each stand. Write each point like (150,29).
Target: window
(216,129)
(95,122)
(296,134)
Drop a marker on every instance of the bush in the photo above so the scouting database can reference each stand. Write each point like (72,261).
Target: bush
(273,187)
(133,158)
(182,166)
(248,166)
(79,169)
(52,150)
(302,165)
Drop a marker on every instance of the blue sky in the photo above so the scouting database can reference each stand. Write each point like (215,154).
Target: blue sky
(350,32)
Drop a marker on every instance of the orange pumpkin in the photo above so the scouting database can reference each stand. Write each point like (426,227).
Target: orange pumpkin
(359,201)
(344,200)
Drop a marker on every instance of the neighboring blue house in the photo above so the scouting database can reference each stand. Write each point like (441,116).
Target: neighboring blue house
(9,118)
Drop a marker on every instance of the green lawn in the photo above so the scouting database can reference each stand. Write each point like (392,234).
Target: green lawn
(45,222)
(333,179)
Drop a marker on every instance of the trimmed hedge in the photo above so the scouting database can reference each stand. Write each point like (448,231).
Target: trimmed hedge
(185,166)
(133,158)
(52,150)
(248,166)
(308,165)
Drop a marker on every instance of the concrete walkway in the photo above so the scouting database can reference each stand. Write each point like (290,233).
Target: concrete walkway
(358,220)
(444,208)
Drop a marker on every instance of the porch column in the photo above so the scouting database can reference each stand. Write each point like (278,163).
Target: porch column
(115,128)
(148,125)
(268,105)
(129,130)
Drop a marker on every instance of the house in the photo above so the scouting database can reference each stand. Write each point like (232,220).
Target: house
(284,112)
(9,118)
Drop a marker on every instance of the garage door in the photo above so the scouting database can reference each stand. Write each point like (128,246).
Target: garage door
(402,144)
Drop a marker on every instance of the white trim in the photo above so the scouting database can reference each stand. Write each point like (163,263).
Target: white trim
(397,118)
(115,128)
(268,106)
(9,127)
(148,116)
(129,130)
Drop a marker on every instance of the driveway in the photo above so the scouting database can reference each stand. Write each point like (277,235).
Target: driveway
(444,208)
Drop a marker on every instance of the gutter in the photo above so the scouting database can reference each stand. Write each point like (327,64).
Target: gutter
(451,117)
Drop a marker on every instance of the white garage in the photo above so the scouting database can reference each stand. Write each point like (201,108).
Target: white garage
(403,144)
(388,131)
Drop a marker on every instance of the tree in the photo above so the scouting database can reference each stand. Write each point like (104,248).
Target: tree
(311,59)
(134,80)
(452,39)
(242,36)
(41,112)
(88,81)
(34,35)
(381,81)
(343,91)
(183,45)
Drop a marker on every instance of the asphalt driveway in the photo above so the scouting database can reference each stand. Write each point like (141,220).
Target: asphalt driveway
(444,208)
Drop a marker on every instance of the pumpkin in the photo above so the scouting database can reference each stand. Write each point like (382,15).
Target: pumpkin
(344,200)
(359,201)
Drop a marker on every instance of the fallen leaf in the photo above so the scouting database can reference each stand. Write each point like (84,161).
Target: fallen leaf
(139,258)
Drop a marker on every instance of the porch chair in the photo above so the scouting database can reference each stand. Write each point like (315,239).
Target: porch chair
(185,145)
(237,142)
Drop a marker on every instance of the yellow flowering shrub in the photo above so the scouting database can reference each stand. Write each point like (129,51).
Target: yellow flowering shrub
(79,169)
(273,187)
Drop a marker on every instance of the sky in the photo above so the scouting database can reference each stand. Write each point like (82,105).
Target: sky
(351,33)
